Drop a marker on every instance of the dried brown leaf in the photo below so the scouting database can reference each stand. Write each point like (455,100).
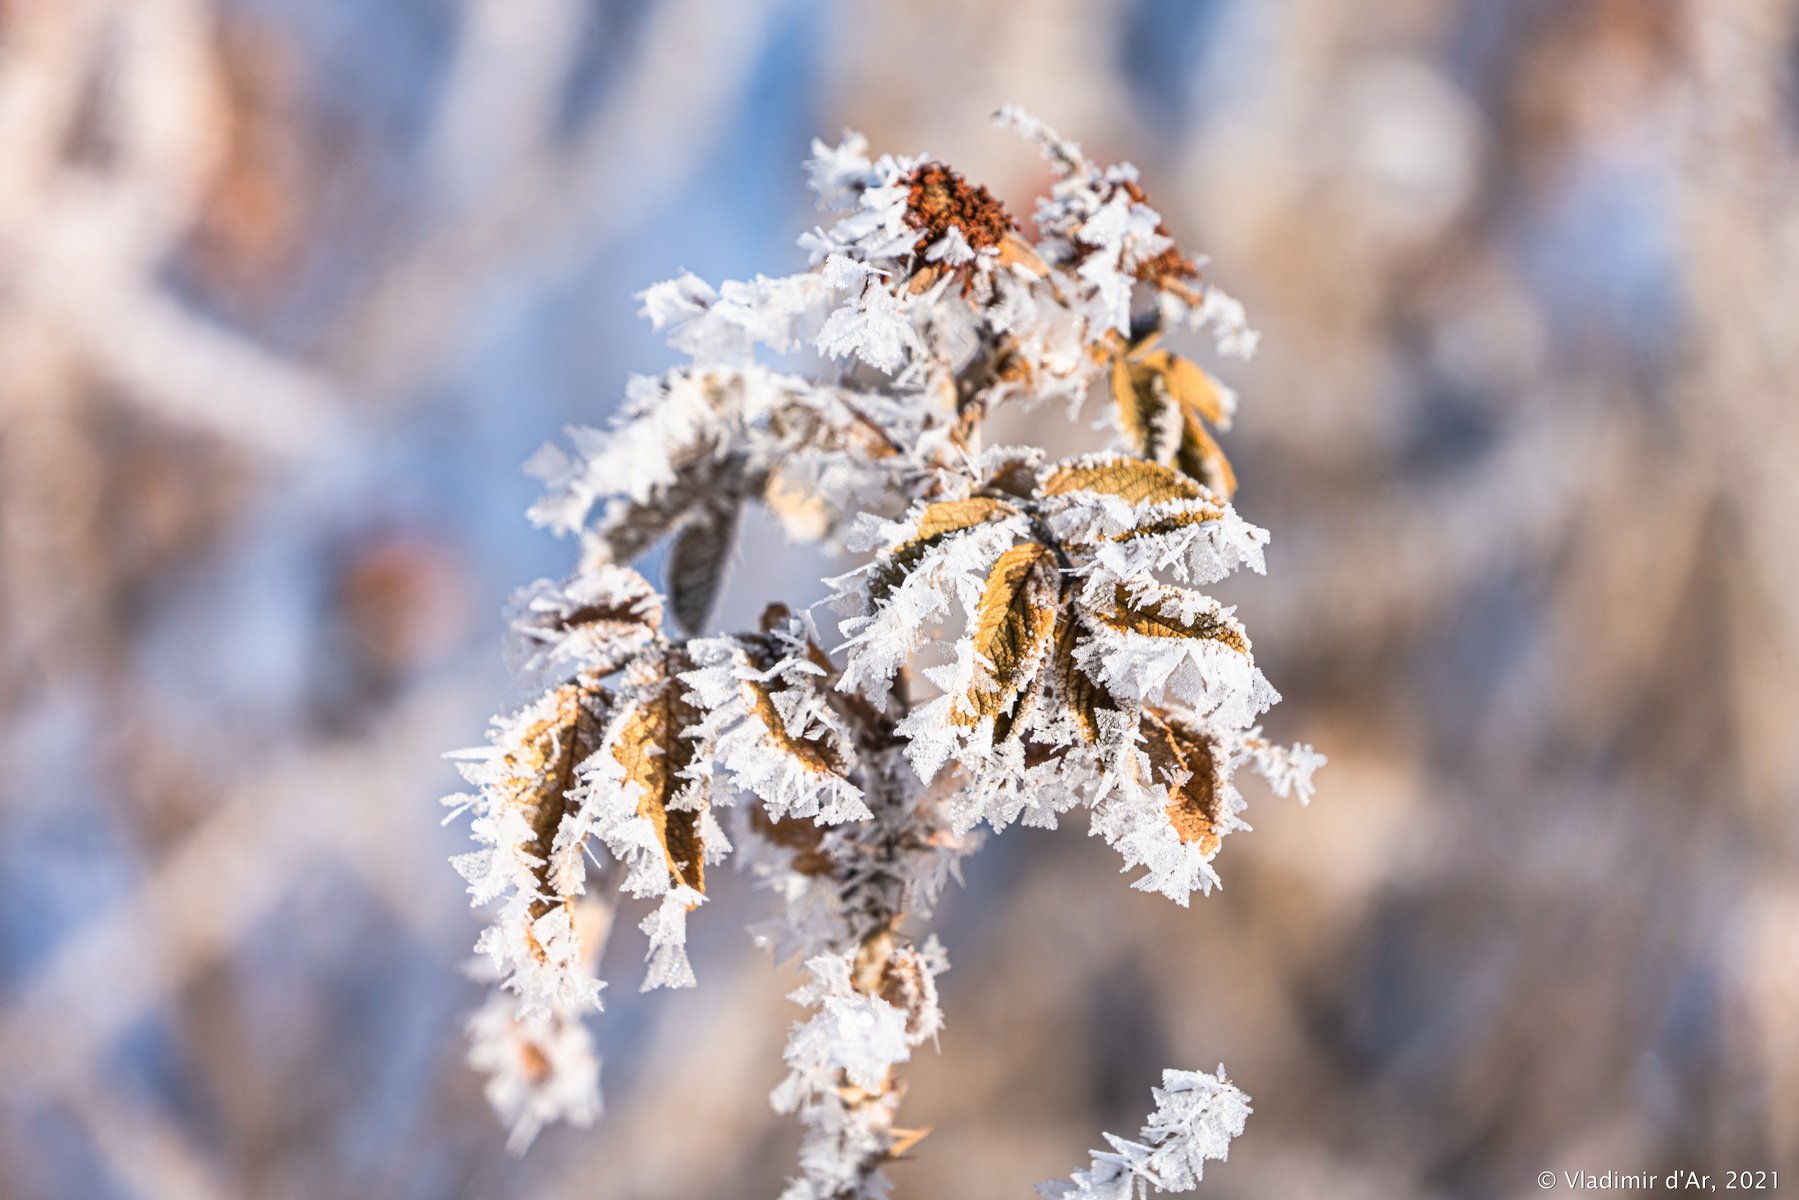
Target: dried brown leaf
(1083,697)
(940,521)
(1185,761)
(697,562)
(1188,384)
(1131,478)
(541,767)
(1146,412)
(1013,627)
(653,748)
(1201,457)
(1165,404)
(1147,618)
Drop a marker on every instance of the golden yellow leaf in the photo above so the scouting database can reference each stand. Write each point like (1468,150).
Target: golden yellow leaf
(813,754)
(653,750)
(1013,625)
(1148,619)
(540,769)
(1083,697)
(1188,384)
(1164,404)
(1146,412)
(1201,457)
(939,521)
(1169,523)
(1135,480)
(952,516)
(1175,750)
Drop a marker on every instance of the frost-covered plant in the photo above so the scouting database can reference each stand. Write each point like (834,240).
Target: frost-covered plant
(1195,1119)
(1024,637)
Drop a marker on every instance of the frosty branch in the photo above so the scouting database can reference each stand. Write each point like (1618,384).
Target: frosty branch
(1023,637)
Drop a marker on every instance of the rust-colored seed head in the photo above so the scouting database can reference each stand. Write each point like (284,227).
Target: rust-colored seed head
(941,198)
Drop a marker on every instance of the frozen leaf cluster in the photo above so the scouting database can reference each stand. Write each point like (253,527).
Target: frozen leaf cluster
(1018,638)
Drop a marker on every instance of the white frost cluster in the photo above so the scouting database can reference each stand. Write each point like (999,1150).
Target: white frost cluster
(539,1069)
(1196,1117)
(856,1039)
(738,734)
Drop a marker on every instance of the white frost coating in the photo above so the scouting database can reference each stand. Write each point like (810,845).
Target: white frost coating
(1198,541)
(871,194)
(1220,313)
(739,740)
(539,1069)
(676,301)
(1196,1118)
(1222,685)
(857,1039)
(667,930)
(861,1036)
(596,621)
(537,958)
(1133,819)
(875,326)
(954,569)
(1288,769)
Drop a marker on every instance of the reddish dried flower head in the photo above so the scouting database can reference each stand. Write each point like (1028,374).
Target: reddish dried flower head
(940,198)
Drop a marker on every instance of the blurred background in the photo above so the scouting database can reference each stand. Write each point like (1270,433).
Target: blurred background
(290,288)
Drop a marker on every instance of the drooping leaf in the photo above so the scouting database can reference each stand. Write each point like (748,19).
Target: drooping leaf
(653,748)
(540,771)
(1146,412)
(1201,457)
(1189,385)
(1165,405)
(697,562)
(1012,629)
(1084,698)
(1185,761)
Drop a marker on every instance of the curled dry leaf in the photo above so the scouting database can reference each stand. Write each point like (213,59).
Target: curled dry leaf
(1185,762)
(1087,672)
(1012,630)
(541,769)
(654,748)
(1164,405)
(697,562)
